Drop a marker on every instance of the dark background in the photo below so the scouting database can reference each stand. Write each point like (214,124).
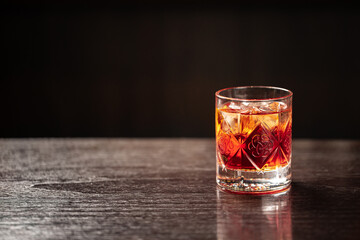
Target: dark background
(150,68)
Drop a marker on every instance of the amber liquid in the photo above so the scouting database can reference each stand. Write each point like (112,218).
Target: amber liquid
(253,140)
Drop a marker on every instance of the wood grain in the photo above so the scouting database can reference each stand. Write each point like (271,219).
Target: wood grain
(165,189)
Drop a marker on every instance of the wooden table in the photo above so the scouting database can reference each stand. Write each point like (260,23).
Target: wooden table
(165,189)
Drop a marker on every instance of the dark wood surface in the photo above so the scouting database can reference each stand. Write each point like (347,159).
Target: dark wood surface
(165,189)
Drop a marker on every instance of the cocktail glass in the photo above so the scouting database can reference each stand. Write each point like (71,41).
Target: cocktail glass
(253,139)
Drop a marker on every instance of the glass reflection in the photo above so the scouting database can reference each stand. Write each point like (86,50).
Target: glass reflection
(253,217)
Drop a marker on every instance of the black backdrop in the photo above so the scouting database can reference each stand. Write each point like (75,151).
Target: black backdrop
(149,69)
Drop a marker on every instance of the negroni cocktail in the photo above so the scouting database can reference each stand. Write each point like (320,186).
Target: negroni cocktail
(253,139)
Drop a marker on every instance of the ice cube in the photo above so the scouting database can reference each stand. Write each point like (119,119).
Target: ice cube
(282,106)
(272,107)
(241,107)
(235,105)
(250,108)
(231,121)
(267,107)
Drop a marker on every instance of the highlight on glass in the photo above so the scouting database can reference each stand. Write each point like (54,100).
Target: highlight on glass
(253,139)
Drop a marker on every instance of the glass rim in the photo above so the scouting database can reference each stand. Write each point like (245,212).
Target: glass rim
(218,93)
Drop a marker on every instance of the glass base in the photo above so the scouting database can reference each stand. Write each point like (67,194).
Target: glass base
(254,182)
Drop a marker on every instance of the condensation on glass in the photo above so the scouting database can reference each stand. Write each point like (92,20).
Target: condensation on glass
(253,139)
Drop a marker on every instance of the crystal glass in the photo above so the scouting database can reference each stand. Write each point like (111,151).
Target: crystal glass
(253,139)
